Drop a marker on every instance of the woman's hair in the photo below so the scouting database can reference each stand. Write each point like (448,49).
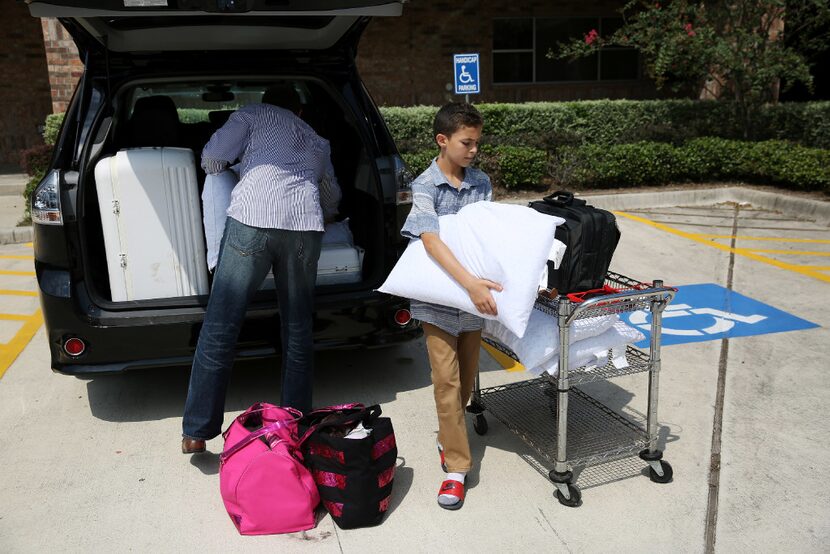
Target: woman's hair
(454,116)
(283,96)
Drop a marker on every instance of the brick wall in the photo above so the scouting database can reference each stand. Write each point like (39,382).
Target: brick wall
(65,67)
(407,60)
(24,94)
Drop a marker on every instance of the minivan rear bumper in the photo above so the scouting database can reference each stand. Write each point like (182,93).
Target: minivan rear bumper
(143,339)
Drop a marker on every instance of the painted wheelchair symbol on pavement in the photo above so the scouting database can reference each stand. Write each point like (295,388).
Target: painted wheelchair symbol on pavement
(723,321)
(711,312)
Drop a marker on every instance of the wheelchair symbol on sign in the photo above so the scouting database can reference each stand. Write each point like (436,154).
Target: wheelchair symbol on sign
(723,321)
(464,77)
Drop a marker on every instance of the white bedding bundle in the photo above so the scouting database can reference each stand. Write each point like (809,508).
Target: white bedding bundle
(593,341)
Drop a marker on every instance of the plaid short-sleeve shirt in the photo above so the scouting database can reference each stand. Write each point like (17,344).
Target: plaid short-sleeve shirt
(433,196)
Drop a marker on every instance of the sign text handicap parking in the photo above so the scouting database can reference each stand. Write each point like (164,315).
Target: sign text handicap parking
(466,73)
(711,312)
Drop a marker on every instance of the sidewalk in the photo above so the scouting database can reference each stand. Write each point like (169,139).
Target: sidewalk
(12,205)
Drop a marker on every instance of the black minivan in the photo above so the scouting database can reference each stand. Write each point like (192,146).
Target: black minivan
(209,57)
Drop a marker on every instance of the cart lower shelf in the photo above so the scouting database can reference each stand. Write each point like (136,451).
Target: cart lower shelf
(596,434)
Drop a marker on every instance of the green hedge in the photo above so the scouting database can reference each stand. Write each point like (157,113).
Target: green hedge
(592,143)
(651,163)
(550,124)
(508,166)
(514,166)
(52,127)
(706,159)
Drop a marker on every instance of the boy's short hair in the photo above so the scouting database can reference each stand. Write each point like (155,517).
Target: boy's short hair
(282,95)
(455,115)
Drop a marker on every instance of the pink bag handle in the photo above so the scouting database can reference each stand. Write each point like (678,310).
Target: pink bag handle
(223,457)
(263,406)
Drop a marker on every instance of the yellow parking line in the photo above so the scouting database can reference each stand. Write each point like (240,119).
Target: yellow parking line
(4,292)
(17,273)
(793,252)
(29,244)
(774,239)
(818,267)
(15,317)
(503,359)
(747,254)
(10,351)
(10,257)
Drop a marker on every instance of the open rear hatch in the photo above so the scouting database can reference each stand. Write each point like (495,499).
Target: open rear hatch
(180,25)
(173,32)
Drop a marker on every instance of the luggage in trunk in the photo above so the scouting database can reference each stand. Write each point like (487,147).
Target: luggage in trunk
(339,263)
(153,237)
(590,235)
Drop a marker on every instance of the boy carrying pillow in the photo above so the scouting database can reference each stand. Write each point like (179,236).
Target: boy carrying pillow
(453,337)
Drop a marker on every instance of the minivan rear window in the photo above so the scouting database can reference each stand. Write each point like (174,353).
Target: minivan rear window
(149,22)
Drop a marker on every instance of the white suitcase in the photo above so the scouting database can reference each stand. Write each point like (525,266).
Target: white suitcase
(150,215)
(339,263)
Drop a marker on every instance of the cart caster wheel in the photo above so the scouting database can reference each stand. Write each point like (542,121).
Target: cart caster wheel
(480,424)
(574,501)
(667,472)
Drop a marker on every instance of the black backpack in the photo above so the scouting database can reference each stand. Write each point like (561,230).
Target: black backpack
(591,236)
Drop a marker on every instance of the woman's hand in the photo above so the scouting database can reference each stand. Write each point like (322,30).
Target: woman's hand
(479,291)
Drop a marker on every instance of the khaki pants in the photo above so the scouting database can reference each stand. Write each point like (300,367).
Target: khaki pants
(454,362)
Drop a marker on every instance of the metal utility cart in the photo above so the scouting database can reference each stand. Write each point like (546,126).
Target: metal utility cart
(582,430)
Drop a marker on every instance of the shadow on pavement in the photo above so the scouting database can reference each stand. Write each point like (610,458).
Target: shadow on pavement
(369,376)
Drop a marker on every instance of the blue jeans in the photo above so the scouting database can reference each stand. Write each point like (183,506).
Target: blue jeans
(246,255)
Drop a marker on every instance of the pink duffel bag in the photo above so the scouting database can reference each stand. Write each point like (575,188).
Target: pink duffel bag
(265,486)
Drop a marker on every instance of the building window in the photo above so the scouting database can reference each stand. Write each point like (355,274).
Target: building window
(520,47)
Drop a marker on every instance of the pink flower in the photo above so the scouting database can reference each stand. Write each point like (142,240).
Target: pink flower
(688,28)
(591,36)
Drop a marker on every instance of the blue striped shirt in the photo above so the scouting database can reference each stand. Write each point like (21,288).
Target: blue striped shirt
(286,180)
(433,196)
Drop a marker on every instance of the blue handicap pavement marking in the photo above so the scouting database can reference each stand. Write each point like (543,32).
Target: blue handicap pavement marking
(711,312)
(465,67)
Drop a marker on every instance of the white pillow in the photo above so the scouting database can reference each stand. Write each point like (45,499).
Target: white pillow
(505,243)
(216,197)
(338,232)
(541,339)
(593,350)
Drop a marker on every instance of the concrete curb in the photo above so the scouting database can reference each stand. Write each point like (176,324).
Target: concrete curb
(803,208)
(15,235)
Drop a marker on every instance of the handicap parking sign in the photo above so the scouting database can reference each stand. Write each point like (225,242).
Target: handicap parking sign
(466,73)
(711,312)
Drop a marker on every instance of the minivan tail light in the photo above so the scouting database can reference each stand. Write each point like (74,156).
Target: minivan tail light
(403,180)
(46,200)
(403,317)
(74,346)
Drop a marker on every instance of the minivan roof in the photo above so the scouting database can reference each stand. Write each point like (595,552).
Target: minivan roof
(185,25)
